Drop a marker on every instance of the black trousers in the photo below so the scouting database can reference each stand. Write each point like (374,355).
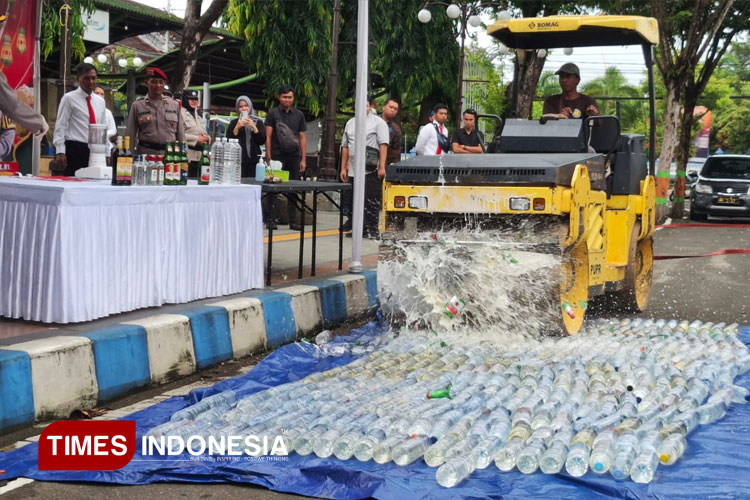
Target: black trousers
(373,201)
(290,163)
(78,157)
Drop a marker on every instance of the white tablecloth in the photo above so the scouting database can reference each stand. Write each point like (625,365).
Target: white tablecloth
(76,251)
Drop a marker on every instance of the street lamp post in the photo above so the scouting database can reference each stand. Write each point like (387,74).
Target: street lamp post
(467,12)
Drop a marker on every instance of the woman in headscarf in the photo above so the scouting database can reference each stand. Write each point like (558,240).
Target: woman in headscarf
(251,132)
(195,131)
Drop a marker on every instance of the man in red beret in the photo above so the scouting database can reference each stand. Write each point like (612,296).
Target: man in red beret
(154,120)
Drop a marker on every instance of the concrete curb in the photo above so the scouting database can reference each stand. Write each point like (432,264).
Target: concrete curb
(50,378)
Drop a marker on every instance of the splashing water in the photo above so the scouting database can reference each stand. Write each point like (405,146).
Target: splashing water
(508,280)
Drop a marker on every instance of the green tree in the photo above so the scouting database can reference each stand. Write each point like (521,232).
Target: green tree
(614,84)
(693,37)
(52,29)
(286,43)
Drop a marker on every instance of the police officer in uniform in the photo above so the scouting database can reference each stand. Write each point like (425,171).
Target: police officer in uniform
(154,120)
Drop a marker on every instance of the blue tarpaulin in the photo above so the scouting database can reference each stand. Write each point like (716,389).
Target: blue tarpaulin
(715,465)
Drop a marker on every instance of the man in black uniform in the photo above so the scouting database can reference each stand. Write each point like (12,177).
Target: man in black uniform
(468,140)
(286,142)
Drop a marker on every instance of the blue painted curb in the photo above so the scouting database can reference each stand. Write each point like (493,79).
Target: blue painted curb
(212,340)
(16,390)
(332,302)
(121,358)
(280,325)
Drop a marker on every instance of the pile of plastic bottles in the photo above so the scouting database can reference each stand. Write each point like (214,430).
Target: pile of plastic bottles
(621,397)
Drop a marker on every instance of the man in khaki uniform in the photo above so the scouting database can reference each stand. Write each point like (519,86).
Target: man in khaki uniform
(154,120)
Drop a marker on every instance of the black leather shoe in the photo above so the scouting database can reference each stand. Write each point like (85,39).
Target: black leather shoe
(271,226)
(347,226)
(295,227)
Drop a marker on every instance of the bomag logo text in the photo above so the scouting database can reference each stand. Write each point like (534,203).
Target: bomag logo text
(544,25)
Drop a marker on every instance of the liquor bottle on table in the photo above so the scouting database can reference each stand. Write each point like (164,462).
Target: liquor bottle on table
(160,167)
(126,157)
(204,176)
(183,164)
(115,160)
(152,171)
(169,165)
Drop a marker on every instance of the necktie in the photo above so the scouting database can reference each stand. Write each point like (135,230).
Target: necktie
(92,116)
(439,149)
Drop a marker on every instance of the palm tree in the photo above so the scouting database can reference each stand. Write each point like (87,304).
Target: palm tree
(614,84)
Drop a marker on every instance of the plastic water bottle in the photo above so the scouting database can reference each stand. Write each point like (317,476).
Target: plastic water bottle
(577,462)
(505,460)
(486,451)
(602,451)
(229,164)
(383,452)
(343,448)
(644,467)
(217,161)
(303,445)
(626,450)
(454,471)
(323,337)
(554,458)
(528,459)
(411,450)
(323,446)
(238,159)
(671,449)
(710,412)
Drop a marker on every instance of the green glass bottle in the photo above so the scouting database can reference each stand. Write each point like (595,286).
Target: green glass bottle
(441,393)
(168,164)
(183,164)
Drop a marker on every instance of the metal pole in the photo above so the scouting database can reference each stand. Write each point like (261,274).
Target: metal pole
(461,55)
(648,56)
(36,149)
(328,161)
(360,117)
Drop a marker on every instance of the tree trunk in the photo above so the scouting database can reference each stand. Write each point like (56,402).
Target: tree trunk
(683,153)
(196,27)
(527,76)
(671,119)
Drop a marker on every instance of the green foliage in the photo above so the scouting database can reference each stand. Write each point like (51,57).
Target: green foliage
(290,43)
(287,43)
(614,84)
(52,28)
(731,126)
(491,96)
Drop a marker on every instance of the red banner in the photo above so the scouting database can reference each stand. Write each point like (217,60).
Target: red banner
(17,52)
(87,445)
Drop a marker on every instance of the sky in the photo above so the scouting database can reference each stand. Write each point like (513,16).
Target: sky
(592,61)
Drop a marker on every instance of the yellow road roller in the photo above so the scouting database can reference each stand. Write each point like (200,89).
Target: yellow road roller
(585,189)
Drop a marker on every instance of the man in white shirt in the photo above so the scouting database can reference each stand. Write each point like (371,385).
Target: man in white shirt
(78,109)
(376,141)
(111,124)
(427,140)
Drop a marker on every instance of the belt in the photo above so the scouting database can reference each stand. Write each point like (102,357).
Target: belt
(151,145)
(195,148)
